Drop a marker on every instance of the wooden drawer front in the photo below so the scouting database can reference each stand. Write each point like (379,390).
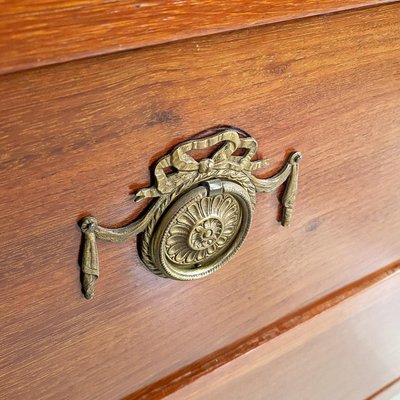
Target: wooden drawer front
(350,352)
(77,137)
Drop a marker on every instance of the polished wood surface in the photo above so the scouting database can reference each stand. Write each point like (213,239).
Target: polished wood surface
(77,137)
(227,354)
(50,31)
(349,352)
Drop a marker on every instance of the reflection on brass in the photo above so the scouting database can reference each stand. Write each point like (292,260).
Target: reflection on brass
(201,211)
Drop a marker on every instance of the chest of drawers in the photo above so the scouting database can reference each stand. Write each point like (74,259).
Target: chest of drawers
(77,137)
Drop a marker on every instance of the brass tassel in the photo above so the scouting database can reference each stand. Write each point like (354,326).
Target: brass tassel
(90,258)
(289,195)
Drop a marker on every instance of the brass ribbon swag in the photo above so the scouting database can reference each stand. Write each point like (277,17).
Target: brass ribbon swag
(202,210)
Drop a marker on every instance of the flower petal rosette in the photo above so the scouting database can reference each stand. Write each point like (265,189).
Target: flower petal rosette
(202,229)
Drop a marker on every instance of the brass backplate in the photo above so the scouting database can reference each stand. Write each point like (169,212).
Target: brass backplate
(202,209)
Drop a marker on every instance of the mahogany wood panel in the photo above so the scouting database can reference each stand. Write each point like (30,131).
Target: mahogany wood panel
(50,31)
(348,352)
(211,362)
(77,137)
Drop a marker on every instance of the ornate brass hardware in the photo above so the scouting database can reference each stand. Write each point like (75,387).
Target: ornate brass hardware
(202,210)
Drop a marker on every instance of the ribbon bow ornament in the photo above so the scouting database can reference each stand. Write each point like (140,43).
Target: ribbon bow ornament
(187,167)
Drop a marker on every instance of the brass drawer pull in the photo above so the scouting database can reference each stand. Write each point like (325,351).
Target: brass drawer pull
(202,209)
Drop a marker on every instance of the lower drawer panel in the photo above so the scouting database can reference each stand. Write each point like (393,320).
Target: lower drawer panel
(350,352)
(76,138)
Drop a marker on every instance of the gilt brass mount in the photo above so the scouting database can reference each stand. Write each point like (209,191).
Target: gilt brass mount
(201,212)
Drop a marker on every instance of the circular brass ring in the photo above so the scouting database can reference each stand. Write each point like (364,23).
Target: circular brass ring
(201,231)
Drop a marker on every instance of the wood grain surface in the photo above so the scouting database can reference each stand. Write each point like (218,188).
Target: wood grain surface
(76,138)
(348,352)
(51,31)
(206,365)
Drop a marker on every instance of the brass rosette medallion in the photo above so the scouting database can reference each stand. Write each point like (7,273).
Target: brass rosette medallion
(201,211)
(200,231)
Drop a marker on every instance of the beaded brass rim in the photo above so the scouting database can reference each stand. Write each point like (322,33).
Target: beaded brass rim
(201,231)
(201,212)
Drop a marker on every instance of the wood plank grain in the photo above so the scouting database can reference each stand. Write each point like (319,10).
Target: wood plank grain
(347,352)
(206,365)
(51,31)
(77,137)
